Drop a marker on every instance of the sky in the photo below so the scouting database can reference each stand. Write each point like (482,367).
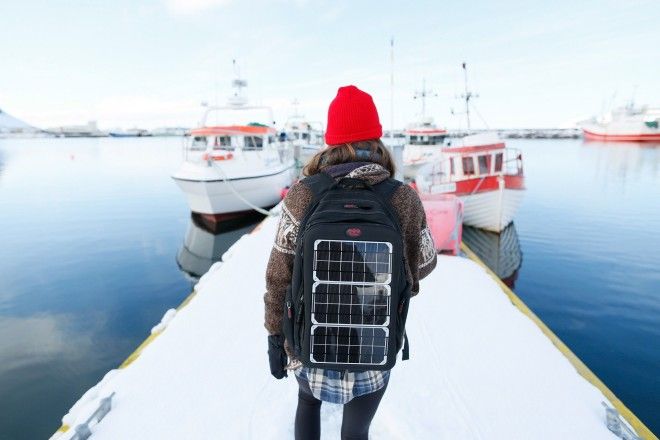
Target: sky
(151,63)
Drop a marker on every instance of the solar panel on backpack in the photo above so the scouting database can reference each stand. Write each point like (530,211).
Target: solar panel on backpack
(351,300)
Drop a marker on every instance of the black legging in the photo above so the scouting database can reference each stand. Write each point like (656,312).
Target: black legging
(357,416)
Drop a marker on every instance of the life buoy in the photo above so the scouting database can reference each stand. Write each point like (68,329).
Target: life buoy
(225,156)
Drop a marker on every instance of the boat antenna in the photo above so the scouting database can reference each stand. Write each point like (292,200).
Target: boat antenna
(423,94)
(631,104)
(467,95)
(237,99)
(392,88)
(295,103)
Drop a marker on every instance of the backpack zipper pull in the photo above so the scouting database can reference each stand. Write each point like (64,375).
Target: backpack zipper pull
(288,309)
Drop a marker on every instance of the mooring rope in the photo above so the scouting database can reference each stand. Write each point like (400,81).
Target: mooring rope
(238,195)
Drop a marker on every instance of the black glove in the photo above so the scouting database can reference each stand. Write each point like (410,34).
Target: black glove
(277,356)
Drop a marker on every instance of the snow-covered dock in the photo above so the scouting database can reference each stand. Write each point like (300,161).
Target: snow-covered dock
(481,367)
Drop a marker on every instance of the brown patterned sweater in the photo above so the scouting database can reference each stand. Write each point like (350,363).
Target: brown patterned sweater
(417,242)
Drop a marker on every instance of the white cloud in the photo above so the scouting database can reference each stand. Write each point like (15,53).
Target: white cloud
(191,7)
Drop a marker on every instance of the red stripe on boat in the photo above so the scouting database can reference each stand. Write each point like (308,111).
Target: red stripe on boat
(490,183)
(230,130)
(650,137)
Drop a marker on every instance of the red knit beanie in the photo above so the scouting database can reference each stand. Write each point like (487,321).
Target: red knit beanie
(352,117)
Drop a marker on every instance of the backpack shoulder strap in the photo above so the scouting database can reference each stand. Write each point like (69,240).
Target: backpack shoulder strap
(319,183)
(387,187)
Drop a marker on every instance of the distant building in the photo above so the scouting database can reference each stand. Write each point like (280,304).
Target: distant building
(88,130)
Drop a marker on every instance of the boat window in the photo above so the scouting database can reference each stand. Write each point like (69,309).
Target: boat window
(271,139)
(199,142)
(305,136)
(484,164)
(498,162)
(451,166)
(222,141)
(468,166)
(254,142)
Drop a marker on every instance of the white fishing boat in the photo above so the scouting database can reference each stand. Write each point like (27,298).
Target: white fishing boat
(234,168)
(306,137)
(624,124)
(424,139)
(303,133)
(424,142)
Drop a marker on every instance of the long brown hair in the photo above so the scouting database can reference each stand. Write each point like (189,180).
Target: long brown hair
(371,150)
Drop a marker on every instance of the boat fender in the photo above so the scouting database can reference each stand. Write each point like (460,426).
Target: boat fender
(227,156)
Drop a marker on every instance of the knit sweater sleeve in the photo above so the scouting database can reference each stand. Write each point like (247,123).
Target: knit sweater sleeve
(418,245)
(280,264)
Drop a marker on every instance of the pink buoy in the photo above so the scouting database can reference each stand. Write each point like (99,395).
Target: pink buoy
(444,215)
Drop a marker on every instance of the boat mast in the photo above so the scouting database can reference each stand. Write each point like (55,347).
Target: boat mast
(467,95)
(423,94)
(237,100)
(392,88)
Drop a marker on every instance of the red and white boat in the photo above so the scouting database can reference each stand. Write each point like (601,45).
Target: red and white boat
(626,124)
(424,142)
(483,173)
(232,169)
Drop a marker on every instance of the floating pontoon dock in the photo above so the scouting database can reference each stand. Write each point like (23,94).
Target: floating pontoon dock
(482,366)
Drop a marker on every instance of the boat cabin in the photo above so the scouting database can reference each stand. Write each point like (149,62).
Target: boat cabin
(474,162)
(425,137)
(425,132)
(470,162)
(232,137)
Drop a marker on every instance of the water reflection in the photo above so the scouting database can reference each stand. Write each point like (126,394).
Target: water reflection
(624,159)
(205,242)
(500,252)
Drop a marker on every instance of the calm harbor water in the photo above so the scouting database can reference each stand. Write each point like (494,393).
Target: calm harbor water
(97,243)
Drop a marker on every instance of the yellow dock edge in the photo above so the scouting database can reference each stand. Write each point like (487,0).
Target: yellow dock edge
(584,371)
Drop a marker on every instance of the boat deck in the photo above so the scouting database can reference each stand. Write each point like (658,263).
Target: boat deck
(480,368)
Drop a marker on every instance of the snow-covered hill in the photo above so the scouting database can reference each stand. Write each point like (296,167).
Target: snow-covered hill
(10,123)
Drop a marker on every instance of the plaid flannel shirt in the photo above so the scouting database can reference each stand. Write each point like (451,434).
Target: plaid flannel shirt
(342,386)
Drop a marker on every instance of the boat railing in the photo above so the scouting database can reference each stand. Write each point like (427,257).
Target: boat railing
(439,171)
(513,165)
(200,152)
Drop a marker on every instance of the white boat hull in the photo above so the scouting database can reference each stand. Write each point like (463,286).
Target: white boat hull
(491,210)
(416,156)
(219,196)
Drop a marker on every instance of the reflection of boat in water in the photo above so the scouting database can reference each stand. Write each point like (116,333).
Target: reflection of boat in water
(500,252)
(205,242)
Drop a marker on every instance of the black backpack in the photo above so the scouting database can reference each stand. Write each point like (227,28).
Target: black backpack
(347,303)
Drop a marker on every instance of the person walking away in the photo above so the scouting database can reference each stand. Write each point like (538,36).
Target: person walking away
(354,152)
